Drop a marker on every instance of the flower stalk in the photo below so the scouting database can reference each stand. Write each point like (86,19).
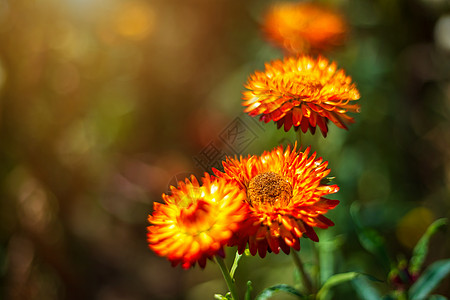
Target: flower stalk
(226,275)
(305,278)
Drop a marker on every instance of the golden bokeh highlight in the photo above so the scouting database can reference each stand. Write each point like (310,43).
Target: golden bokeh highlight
(413,225)
(134,20)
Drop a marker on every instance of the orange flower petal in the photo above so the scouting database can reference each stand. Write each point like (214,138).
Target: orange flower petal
(196,222)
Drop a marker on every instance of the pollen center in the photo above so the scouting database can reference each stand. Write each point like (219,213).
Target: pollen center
(269,188)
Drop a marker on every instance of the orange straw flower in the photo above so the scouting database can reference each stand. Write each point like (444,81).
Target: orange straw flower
(303,27)
(285,195)
(195,222)
(302,93)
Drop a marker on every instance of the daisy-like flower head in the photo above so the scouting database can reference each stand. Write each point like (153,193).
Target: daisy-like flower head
(304,27)
(195,222)
(286,197)
(302,93)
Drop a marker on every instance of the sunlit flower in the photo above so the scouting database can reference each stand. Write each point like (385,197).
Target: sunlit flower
(302,93)
(195,222)
(285,194)
(304,27)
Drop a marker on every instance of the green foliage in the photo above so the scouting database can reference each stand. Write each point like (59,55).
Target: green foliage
(335,280)
(370,239)
(421,249)
(237,258)
(327,180)
(365,290)
(249,290)
(437,297)
(327,250)
(430,279)
(372,242)
(268,292)
(222,297)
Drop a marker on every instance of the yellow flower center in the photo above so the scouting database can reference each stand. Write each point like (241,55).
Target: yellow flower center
(269,188)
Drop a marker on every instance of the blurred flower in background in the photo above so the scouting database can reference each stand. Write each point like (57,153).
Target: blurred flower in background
(304,27)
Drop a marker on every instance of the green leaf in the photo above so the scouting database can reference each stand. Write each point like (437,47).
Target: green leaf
(327,250)
(335,280)
(237,258)
(365,290)
(248,291)
(421,249)
(370,239)
(326,264)
(430,278)
(221,297)
(338,279)
(327,180)
(437,297)
(267,293)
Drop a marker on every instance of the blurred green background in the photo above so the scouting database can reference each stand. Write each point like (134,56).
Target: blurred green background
(104,104)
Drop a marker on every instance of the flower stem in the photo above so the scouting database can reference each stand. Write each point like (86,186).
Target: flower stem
(316,252)
(227,277)
(306,281)
(299,139)
(237,258)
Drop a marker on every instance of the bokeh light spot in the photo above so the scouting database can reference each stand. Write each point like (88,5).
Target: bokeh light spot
(2,75)
(442,32)
(413,225)
(135,20)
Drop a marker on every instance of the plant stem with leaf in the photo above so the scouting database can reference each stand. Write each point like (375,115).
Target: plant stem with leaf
(228,279)
(306,281)
(299,139)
